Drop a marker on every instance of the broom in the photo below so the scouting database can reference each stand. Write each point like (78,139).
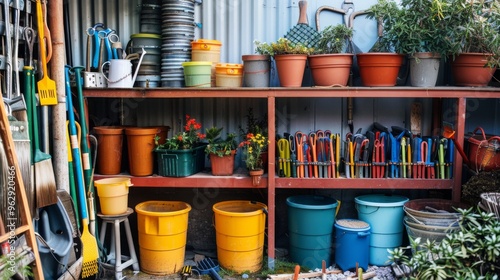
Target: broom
(45,182)
(90,250)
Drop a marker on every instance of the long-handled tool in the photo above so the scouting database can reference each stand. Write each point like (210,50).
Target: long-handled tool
(302,32)
(86,157)
(449,133)
(90,248)
(46,86)
(208,266)
(45,182)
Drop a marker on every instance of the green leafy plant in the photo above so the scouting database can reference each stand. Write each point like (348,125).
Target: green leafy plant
(13,266)
(334,39)
(474,26)
(386,13)
(217,145)
(185,140)
(473,252)
(282,46)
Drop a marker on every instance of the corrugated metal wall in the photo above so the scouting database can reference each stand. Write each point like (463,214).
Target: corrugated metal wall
(237,24)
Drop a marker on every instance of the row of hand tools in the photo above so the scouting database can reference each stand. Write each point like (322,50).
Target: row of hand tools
(379,153)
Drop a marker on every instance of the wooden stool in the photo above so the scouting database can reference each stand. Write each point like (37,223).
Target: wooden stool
(115,246)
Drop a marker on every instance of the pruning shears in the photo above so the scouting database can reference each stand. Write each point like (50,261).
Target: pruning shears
(293,157)
(284,159)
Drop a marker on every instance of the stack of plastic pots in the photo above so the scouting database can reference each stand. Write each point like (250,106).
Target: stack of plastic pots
(150,17)
(177,33)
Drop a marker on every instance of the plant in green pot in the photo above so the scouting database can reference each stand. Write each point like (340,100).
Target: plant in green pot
(330,65)
(182,154)
(381,65)
(473,36)
(221,151)
(290,60)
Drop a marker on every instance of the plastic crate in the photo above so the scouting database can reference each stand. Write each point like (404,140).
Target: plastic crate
(180,163)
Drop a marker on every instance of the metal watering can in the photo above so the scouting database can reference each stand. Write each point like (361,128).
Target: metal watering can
(120,71)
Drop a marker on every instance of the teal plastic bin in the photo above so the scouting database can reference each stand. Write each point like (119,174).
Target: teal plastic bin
(180,163)
(384,214)
(310,227)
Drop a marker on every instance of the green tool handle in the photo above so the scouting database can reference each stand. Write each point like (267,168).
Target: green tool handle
(28,77)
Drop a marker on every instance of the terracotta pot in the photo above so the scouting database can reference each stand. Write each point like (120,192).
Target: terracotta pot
(222,166)
(379,69)
(330,69)
(256,69)
(140,142)
(256,176)
(109,149)
(162,132)
(290,69)
(469,69)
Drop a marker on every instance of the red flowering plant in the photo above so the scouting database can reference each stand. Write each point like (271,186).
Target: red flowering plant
(190,138)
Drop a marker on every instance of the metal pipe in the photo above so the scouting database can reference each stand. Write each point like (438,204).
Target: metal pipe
(60,154)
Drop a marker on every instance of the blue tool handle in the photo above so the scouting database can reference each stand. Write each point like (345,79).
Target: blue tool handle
(107,44)
(214,274)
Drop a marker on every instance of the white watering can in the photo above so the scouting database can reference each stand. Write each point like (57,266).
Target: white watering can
(120,71)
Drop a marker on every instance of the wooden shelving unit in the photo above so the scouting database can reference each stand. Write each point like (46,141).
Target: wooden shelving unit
(272,182)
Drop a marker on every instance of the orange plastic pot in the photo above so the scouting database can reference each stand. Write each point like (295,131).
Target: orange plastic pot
(379,69)
(330,69)
(109,149)
(470,69)
(222,166)
(140,142)
(290,69)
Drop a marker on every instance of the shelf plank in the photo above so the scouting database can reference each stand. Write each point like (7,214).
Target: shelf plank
(303,92)
(364,183)
(198,180)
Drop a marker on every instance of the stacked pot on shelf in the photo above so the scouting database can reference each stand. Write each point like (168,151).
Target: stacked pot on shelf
(177,32)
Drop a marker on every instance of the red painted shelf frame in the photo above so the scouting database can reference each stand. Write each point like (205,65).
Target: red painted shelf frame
(271,181)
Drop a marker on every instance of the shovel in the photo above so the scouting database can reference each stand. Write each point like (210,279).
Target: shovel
(449,133)
(208,266)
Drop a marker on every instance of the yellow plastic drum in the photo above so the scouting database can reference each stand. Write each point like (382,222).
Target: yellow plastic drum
(162,227)
(228,75)
(113,195)
(239,228)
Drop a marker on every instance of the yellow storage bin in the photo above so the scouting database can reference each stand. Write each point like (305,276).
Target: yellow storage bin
(113,195)
(228,75)
(239,229)
(162,227)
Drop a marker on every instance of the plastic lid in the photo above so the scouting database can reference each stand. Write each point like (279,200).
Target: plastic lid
(353,224)
(311,202)
(207,41)
(197,63)
(229,68)
(380,200)
(145,35)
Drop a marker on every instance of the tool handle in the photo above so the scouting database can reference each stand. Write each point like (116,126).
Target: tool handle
(28,77)
(75,149)
(214,274)
(41,36)
(303,12)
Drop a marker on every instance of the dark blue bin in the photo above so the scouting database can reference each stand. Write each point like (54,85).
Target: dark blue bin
(352,244)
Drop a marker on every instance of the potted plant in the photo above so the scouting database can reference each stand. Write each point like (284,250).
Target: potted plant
(254,125)
(256,67)
(380,66)
(330,65)
(473,40)
(182,154)
(420,29)
(254,145)
(221,151)
(472,252)
(290,60)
